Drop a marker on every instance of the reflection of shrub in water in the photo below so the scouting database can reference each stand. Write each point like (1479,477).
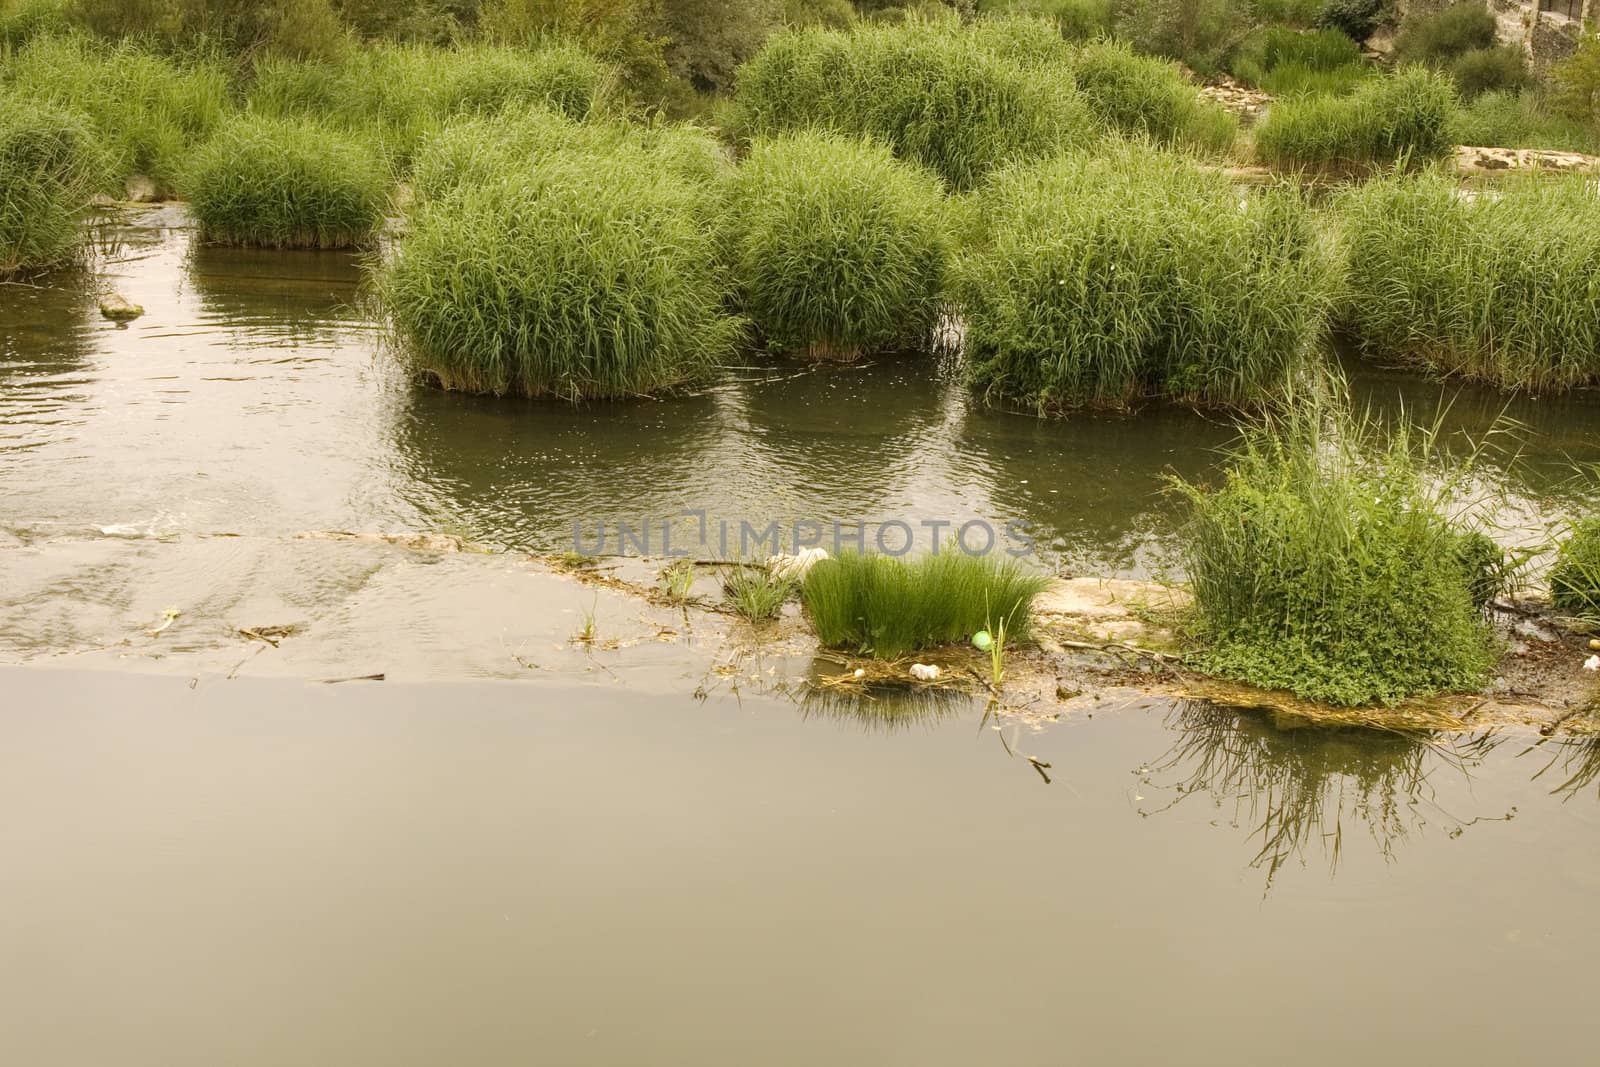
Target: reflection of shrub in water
(1295,783)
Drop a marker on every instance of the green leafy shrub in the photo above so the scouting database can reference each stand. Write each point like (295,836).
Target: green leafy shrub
(927,88)
(1405,114)
(477,149)
(286,183)
(1295,14)
(838,248)
(1199,33)
(1438,38)
(1104,280)
(1141,95)
(286,27)
(1575,578)
(1325,563)
(148,110)
(888,607)
(1356,19)
(574,278)
(1521,120)
(402,92)
(1576,82)
(49,165)
(1483,70)
(1499,288)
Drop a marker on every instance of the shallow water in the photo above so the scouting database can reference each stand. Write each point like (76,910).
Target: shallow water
(273,873)
(675,863)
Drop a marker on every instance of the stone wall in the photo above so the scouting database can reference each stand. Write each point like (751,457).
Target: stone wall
(1546,37)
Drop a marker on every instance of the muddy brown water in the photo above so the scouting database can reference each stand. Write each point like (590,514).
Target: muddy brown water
(649,849)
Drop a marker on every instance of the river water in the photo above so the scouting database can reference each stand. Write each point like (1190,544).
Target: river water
(515,851)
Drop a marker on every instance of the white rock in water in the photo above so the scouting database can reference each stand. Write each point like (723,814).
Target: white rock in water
(925,672)
(794,568)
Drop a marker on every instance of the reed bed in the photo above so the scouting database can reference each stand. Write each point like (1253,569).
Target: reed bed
(1502,287)
(838,248)
(402,93)
(477,149)
(934,92)
(1403,116)
(888,608)
(1149,97)
(1328,562)
(50,165)
(276,183)
(1131,274)
(148,110)
(577,278)
(1284,61)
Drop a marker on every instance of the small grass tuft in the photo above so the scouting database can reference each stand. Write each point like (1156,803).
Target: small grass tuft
(755,592)
(286,184)
(887,608)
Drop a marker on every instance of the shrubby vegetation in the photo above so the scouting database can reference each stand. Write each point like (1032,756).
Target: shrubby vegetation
(403,92)
(292,183)
(932,92)
(574,278)
(1497,287)
(1285,62)
(147,110)
(477,149)
(838,248)
(49,166)
(1460,39)
(1077,20)
(1327,563)
(887,607)
(1575,578)
(1101,280)
(1406,115)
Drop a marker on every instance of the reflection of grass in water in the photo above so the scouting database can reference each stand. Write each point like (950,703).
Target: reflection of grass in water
(1295,784)
(886,708)
(1578,759)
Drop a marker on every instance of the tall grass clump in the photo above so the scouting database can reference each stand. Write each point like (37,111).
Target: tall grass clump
(1521,120)
(1328,562)
(1285,62)
(278,183)
(577,278)
(50,165)
(405,91)
(1133,273)
(147,109)
(1147,96)
(23,20)
(1074,20)
(1406,114)
(1502,287)
(887,607)
(1575,578)
(837,247)
(476,149)
(935,92)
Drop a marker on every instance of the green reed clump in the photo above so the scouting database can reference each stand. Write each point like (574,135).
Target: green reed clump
(1149,97)
(147,109)
(23,20)
(580,277)
(837,247)
(886,607)
(1328,563)
(754,592)
(404,91)
(1133,273)
(1406,114)
(1502,287)
(476,149)
(1575,578)
(938,94)
(1272,47)
(50,165)
(1521,120)
(292,183)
